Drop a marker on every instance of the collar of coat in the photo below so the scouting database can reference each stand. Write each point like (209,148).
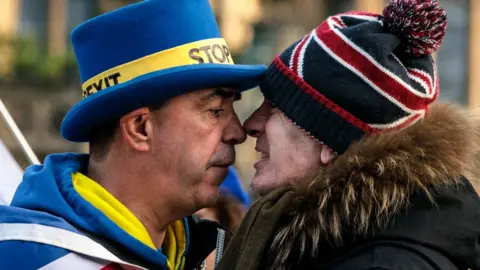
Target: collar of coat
(375,177)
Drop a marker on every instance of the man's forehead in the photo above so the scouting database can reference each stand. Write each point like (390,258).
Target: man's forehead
(206,96)
(220,92)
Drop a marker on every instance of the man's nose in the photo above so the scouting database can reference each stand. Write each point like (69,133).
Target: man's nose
(234,132)
(255,124)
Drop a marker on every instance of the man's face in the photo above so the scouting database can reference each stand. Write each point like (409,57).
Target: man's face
(288,153)
(193,143)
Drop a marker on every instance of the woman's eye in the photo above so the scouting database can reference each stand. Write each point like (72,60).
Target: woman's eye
(275,110)
(216,112)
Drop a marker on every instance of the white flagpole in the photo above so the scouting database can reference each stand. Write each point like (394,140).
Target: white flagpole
(32,158)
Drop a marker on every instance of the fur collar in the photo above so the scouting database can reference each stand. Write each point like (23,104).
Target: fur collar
(374,179)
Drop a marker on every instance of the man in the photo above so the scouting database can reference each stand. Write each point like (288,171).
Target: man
(360,168)
(158,86)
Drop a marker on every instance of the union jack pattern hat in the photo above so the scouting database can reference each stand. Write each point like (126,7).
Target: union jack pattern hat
(360,73)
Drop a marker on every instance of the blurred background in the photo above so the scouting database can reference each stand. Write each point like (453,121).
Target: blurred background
(39,81)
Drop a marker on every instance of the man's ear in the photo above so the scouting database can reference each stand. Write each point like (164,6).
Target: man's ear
(326,155)
(136,129)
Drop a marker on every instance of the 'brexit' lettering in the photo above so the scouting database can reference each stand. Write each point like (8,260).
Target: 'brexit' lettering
(103,83)
(211,54)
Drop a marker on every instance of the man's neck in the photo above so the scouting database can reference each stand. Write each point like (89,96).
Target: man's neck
(150,221)
(121,186)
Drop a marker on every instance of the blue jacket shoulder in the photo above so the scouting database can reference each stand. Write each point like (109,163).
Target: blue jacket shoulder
(11,214)
(28,255)
(16,254)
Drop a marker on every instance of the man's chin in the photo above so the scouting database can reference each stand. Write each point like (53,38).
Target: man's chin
(216,174)
(207,198)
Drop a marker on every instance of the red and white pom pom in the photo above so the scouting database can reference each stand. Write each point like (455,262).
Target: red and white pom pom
(420,24)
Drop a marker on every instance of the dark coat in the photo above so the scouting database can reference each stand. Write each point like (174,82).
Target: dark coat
(392,201)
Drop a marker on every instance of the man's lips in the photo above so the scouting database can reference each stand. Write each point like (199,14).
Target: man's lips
(225,163)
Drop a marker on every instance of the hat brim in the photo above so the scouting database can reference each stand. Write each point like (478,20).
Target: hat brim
(152,88)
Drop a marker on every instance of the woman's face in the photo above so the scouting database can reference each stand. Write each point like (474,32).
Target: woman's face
(288,152)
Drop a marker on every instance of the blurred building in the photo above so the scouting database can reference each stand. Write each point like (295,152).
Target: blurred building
(39,81)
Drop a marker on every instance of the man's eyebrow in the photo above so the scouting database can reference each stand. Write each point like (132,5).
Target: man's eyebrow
(223,93)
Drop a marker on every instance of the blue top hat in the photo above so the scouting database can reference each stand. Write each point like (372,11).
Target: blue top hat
(232,186)
(146,52)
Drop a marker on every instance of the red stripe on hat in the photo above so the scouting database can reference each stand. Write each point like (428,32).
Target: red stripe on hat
(296,54)
(437,83)
(362,13)
(338,20)
(407,122)
(427,79)
(302,84)
(386,83)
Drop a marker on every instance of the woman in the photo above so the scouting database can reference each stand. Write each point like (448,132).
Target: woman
(361,168)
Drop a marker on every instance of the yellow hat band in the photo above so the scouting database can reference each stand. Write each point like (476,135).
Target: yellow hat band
(214,51)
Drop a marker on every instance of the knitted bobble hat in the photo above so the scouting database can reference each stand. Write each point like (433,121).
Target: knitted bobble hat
(360,73)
